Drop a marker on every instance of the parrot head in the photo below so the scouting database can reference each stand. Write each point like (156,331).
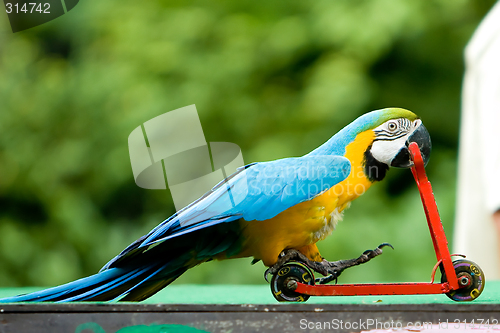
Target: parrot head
(393,137)
(378,140)
(393,132)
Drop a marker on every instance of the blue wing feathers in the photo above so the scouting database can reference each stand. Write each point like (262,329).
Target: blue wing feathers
(258,191)
(276,185)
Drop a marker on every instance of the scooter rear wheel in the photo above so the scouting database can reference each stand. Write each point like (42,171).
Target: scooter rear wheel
(470,279)
(284,281)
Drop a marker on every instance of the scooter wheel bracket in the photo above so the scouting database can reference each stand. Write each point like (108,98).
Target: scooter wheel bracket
(284,282)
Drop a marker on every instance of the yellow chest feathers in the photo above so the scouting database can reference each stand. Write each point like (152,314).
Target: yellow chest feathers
(326,223)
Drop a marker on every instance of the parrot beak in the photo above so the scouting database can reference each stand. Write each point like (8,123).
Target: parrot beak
(423,139)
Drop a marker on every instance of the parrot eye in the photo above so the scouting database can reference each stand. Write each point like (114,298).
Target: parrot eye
(392,126)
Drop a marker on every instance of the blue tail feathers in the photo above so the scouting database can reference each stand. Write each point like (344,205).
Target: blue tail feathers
(111,284)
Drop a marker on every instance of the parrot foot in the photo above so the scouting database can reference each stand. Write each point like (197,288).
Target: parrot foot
(330,269)
(292,254)
(337,267)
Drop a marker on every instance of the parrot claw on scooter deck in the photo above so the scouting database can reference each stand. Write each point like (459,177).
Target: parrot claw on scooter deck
(341,265)
(330,269)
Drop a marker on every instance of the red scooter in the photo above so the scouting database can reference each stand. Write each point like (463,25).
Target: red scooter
(461,280)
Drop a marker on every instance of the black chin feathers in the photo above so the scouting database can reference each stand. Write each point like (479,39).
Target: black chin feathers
(374,170)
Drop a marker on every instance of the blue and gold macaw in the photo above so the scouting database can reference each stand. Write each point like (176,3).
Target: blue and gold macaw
(271,211)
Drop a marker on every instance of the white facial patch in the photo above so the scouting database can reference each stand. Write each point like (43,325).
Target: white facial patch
(391,136)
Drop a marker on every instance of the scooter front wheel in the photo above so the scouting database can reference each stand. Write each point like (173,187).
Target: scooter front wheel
(470,279)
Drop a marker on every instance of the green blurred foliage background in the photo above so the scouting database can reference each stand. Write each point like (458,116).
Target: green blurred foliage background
(277,78)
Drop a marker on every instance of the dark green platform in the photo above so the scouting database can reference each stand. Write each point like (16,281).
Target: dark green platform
(235,308)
